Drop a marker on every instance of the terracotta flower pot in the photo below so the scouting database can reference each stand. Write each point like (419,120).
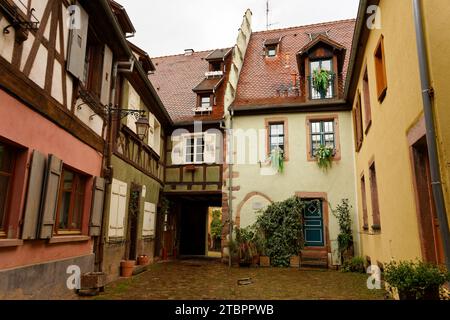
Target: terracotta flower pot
(264,261)
(295,262)
(143,260)
(126,268)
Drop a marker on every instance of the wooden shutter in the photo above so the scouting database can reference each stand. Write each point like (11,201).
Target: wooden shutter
(97,207)
(357,117)
(177,150)
(210,148)
(117,209)
(148,228)
(50,198)
(76,52)
(34,195)
(106,79)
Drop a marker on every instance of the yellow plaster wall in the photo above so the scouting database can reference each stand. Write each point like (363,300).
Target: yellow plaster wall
(437,25)
(386,140)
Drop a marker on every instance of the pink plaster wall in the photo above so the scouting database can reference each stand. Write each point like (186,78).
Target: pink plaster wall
(31,131)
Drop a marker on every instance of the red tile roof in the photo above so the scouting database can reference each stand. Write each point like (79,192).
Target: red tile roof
(175,78)
(263,78)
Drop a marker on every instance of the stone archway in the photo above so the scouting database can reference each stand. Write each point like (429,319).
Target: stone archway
(247,198)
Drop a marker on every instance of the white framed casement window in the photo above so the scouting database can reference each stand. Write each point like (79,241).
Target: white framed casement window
(199,148)
(194,148)
(148,225)
(117,209)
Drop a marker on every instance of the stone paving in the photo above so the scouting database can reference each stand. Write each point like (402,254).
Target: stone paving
(210,280)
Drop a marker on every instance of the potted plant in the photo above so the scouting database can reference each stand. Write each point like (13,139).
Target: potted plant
(324,156)
(143,260)
(295,261)
(415,280)
(345,237)
(321,81)
(127,267)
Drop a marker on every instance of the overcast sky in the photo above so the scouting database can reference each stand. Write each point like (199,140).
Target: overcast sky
(166,27)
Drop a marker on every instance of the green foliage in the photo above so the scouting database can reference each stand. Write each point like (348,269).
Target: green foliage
(342,214)
(279,229)
(355,265)
(415,277)
(165,206)
(277,159)
(321,80)
(246,246)
(216,224)
(324,157)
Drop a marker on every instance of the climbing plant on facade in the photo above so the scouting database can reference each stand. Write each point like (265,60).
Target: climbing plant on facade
(281,226)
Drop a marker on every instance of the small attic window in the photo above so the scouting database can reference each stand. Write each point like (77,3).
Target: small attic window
(215,66)
(271,51)
(271,47)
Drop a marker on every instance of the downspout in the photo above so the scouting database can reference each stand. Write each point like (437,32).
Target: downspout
(230,183)
(109,152)
(427,93)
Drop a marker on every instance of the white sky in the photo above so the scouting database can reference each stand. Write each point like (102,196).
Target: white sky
(166,27)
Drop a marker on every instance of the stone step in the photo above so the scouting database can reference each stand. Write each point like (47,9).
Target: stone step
(320,264)
(306,254)
(139,269)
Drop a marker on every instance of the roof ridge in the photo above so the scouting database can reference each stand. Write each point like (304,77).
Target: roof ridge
(305,26)
(182,54)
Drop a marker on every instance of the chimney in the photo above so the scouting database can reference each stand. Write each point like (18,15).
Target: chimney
(188,52)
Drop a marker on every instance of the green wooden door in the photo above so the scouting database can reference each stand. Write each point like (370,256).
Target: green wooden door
(313,224)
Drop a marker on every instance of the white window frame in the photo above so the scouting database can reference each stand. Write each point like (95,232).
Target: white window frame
(209,147)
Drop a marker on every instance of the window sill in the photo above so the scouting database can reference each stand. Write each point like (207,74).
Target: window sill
(10,243)
(66,239)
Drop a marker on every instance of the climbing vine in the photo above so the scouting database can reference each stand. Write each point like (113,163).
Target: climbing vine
(281,226)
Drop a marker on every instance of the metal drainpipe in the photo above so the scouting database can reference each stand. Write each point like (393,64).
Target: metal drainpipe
(431,131)
(108,154)
(230,184)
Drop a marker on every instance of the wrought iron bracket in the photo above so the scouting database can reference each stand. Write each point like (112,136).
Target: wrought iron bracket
(122,113)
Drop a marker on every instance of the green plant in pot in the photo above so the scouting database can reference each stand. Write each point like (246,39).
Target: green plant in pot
(345,237)
(416,280)
(324,156)
(321,81)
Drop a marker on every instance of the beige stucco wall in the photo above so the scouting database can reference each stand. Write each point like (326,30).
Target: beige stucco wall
(299,175)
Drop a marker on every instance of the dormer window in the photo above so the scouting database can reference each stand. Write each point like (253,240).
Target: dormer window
(271,51)
(215,66)
(271,47)
(205,101)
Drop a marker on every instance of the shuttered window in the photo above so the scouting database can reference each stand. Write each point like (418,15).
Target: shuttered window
(97,207)
(374,195)
(70,201)
(380,70)
(7,159)
(117,209)
(367,106)
(357,123)
(34,195)
(364,203)
(148,226)
(77,44)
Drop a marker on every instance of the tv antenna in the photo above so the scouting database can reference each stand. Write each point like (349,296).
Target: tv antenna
(268,24)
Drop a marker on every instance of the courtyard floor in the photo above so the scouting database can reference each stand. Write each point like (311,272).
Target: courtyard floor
(212,280)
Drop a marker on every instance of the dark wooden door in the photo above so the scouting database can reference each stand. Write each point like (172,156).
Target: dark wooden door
(428,222)
(133,218)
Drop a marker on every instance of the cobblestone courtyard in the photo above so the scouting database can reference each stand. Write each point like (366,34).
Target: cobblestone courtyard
(198,280)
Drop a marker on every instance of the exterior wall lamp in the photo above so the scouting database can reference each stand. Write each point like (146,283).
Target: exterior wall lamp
(142,121)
